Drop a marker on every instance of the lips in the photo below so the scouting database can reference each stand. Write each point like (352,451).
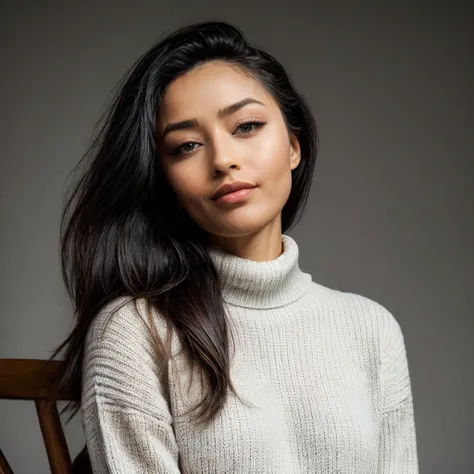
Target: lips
(232,187)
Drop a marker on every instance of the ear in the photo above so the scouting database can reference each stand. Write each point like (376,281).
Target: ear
(295,151)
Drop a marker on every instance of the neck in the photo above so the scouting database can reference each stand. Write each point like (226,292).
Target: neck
(261,246)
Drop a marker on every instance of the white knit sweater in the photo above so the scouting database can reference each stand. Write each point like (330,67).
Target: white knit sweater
(325,374)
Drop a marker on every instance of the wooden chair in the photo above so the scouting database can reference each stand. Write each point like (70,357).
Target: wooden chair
(31,379)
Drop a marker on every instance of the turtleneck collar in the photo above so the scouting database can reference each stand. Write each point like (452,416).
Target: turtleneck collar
(267,284)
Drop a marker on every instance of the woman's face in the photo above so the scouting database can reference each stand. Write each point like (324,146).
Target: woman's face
(209,148)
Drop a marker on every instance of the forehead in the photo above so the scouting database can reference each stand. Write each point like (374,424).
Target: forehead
(207,88)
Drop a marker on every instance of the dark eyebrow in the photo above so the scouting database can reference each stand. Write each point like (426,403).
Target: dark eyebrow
(224,112)
(230,109)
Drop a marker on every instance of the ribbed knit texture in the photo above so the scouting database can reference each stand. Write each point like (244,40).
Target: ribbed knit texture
(323,375)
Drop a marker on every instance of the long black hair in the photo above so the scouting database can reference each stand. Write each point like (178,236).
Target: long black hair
(123,232)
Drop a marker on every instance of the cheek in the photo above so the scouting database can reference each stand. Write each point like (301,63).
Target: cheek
(273,162)
(276,172)
(186,183)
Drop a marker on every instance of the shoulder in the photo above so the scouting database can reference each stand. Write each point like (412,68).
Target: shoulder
(121,363)
(365,327)
(125,323)
(357,312)
(125,339)
(120,313)
(122,330)
(122,369)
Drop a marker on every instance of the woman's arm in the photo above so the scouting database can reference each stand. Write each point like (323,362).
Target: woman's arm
(126,415)
(398,447)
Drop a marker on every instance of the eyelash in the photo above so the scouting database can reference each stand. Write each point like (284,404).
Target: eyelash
(257,123)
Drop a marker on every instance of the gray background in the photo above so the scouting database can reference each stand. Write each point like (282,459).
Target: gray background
(390,214)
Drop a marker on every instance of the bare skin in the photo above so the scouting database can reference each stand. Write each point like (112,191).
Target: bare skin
(222,148)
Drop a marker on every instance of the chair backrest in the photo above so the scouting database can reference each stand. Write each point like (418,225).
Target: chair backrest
(33,379)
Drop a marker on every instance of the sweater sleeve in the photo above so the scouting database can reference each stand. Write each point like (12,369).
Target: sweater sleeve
(126,416)
(398,447)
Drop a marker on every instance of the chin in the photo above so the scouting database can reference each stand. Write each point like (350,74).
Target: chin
(242,224)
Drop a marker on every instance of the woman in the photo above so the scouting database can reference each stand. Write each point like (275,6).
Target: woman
(200,346)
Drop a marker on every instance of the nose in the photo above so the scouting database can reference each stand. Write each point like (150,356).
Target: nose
(224,168)
(224,159)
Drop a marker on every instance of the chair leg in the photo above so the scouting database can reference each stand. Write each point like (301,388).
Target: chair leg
(4,466)
(53,435)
